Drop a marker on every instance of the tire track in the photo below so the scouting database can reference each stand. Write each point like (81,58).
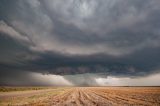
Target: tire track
(124,99)
(83,96)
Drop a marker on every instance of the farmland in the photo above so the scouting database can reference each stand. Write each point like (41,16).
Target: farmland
(83,96)
(10,89)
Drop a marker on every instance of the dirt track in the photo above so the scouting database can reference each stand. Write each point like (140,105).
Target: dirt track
(4,95)
(107,97)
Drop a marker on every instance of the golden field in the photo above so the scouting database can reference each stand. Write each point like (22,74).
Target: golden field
(81,96)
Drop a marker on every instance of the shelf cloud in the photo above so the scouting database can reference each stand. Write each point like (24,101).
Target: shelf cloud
(70,38)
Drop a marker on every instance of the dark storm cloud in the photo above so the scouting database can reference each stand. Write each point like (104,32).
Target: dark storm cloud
(115,37)
(24,78)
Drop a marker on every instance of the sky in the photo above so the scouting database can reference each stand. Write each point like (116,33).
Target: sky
(80,42)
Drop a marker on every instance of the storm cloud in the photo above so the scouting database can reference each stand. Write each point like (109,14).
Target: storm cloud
(93,38)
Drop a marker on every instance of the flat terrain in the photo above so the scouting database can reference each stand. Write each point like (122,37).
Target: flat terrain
(84,96)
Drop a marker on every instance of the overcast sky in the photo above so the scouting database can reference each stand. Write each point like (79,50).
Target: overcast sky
(80,42)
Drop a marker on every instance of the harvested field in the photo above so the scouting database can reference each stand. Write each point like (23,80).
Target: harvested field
(86,96)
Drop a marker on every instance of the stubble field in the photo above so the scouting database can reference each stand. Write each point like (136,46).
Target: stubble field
(83,96)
